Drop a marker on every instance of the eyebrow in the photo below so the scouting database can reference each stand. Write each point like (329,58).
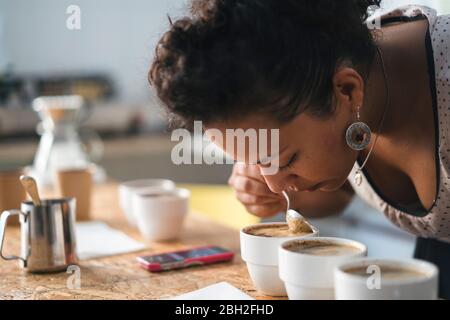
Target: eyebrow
(270,158)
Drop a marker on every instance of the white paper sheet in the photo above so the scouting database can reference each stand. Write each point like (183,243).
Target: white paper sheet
(217,291)
(96,239)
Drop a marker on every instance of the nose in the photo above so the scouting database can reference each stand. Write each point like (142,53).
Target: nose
(279,182)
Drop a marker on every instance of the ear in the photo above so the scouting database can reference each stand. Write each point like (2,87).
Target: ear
(348,86)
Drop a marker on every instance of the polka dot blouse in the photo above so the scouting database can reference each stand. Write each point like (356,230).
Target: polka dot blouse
(434,223)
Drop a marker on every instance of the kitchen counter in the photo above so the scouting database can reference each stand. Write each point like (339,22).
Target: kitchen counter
(130,157)
(120,277)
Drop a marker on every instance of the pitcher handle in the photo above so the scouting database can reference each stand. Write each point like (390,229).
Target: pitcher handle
(3,221)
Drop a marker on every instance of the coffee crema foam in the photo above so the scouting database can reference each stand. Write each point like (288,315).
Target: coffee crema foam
(389,272)
(161,196)
(277,230)
(322,248)
(298,225)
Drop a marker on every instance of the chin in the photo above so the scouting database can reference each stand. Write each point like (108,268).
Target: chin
(332,186)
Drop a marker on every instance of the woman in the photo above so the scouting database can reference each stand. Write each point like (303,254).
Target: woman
(359,109)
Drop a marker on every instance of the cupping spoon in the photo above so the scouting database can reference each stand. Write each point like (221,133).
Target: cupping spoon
(30,187)
(293,218)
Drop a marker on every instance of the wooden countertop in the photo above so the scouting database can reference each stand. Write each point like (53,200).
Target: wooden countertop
(120,277)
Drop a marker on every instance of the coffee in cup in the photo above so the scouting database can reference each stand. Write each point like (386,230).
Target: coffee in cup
(279,230)
(389,272)
(306,266)
(374,279)
(160,214)
(142,186)
(323,248)
(259,250)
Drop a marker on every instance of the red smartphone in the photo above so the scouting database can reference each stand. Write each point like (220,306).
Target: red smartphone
(185,258)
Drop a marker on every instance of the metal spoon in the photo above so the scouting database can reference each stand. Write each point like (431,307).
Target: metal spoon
(30,187)
(293,218)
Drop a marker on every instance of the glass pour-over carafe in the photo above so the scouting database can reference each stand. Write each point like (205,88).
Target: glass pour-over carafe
(60,146)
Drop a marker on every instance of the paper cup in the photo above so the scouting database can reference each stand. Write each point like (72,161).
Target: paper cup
(311,277)
(261,256)
(12,192)
(377,284)
(77,183)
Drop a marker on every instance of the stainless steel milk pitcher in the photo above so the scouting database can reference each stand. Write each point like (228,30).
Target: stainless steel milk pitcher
(47,235)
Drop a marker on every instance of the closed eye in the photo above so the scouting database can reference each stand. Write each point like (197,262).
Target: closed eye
(290,163)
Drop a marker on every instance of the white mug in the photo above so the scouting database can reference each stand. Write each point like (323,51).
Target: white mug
(127,189)
(160,214)
(311,277)
(261,256)
(374,286)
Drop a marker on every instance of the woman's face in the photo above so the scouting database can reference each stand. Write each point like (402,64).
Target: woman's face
(313,153)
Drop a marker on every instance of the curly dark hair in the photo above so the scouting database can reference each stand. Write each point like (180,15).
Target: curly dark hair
(234,58)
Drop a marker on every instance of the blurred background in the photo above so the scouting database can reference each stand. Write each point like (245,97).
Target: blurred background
(106,61)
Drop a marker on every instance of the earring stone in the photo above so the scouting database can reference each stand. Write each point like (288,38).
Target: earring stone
(358,135)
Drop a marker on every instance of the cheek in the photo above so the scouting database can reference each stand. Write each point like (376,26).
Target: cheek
(338,157)
(332,153)
(328,157)
(332,143)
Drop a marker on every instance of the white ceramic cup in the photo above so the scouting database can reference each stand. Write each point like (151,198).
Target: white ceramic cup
(261,256)
(160,214)
(127,189)
(374,287)
(311,277)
